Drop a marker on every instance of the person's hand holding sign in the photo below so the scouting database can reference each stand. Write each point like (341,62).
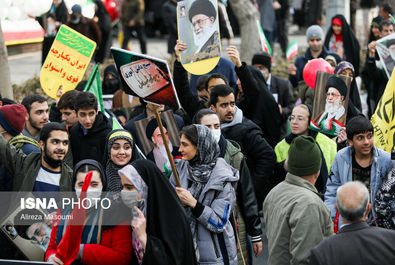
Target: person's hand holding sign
(234,56)
(180,46)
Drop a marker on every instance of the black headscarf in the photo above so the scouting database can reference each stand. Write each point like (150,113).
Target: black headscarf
(166,220)
(350,43)
(375,23)
(94,163)
(110,86)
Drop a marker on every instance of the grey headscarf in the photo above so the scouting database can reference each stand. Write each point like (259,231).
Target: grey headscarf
(199,173)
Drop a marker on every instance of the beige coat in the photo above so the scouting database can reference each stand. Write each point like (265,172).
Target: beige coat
(296,220)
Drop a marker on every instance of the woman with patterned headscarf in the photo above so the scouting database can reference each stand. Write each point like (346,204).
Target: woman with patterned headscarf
(208,196)
(120,151)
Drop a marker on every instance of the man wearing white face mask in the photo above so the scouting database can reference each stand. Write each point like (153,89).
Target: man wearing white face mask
(246,212)
(280,88)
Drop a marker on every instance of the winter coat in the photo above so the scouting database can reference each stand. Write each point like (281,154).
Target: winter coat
(296,220)
(88,28)
(25,168)
(245,195)
(132,10)
(215,236)
(115,246)
(91,145)
(341,172)
(301,62)
(258,104)
(260,156)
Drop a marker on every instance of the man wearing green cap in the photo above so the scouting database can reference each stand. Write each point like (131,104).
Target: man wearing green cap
(296,219)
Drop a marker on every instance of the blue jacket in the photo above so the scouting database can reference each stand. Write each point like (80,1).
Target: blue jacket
(341,172)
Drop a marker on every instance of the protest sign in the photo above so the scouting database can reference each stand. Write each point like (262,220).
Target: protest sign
(330,103)
(383,119)
(386,49)
(198,28)
(66,62)
(146,77)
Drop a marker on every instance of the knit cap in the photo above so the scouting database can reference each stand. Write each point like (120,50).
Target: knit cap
(314,31)
(12,118)
(304,156)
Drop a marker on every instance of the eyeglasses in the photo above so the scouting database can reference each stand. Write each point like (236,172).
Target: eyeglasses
(199,22)
(297,119)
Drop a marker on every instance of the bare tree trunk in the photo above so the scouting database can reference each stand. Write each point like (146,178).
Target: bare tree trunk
(247,16)
(5,77)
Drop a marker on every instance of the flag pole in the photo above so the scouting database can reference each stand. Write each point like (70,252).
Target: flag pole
(169,155)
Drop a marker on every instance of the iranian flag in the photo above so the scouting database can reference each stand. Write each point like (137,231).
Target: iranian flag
(292,50)
(263,41)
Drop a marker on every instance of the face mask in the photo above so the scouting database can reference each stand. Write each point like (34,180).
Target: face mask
(92,194)
(217,134)
(129,198)
(265,74)
(111,83)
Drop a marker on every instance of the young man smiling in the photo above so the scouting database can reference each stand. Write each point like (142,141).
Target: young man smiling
(88,136)
(361,161)
(43,171)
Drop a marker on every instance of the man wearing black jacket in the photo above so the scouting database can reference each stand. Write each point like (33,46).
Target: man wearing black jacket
(253,97)
(88,136)
(247,208)
(260,155)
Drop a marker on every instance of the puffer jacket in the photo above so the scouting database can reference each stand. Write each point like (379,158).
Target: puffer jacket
(341,172)
(215,236)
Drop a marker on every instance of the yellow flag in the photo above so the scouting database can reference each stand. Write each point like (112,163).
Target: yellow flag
(383,119)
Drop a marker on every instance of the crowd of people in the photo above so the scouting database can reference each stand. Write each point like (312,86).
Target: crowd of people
(249,166)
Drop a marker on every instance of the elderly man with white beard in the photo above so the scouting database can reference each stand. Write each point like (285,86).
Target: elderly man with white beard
(158,153)
(202,15)
(336,91)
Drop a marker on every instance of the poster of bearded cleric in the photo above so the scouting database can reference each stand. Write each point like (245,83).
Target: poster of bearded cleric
(29,231)
(198,28)
(330,103)
(152,143)
(386,49)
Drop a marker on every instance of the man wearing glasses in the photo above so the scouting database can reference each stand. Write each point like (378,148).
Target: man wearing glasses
(336,91)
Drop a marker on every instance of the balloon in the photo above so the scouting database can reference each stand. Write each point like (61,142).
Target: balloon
(14,13)
(311,68)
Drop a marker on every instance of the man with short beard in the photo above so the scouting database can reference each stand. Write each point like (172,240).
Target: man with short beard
(336,91)
(43,171)
(37,115)
(158,153)
(202,15)
(314,36)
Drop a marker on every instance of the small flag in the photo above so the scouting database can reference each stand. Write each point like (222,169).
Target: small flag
(392,19)
(292,50)
(264,43)
(331,127)
(94,86)
(383,119)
